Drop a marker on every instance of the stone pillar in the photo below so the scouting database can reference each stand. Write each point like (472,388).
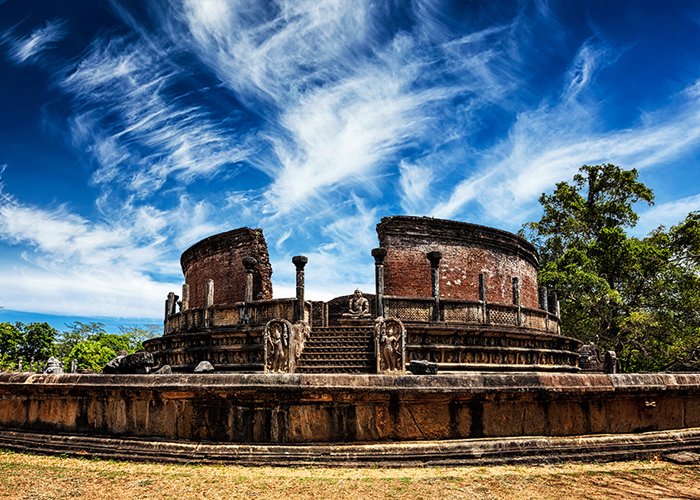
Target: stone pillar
(556,310)
(170,304)
(516,299)
(299,262)
(74,366)
(434,258)
(482,297)
(209,293)
(249,264)
(544,304)
(185,296)
(209,302)
(379,254)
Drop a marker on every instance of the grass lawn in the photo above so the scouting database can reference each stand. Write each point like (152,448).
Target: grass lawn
(32,476)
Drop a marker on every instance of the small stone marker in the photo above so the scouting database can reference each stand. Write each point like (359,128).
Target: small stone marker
(163,370)
(54,365)
(682,457)
(423,367)
(204,367)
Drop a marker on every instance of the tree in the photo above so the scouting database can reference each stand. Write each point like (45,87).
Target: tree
(636,296)
(37,341)
(76,333)
(92,355)
(138,335)
(10,340)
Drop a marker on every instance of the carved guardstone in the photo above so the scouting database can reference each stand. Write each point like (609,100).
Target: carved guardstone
(389,345)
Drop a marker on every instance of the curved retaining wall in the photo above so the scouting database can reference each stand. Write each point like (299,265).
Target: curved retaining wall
(258,408)
(220,258)
(467,251)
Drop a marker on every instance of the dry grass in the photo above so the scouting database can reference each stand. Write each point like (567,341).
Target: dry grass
(30,476)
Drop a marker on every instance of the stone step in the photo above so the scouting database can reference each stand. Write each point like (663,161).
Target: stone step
(334,357)
(336,364)
(333,369)
(353,345)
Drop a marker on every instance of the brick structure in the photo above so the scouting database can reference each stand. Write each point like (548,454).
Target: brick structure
(467,251)
(220,258)
(467,294)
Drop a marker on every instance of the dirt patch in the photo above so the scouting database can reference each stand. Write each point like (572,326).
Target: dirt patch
(30,476)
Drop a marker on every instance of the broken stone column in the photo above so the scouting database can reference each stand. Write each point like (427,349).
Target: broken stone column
(434,258)
(379,254)
(185,297)
(249,264)
(544,304)
(556,310)
(482,297)
(299,262)
(209,302)
(516,299)
(170,305)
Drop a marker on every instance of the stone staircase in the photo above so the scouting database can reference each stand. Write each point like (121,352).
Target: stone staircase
(338,349)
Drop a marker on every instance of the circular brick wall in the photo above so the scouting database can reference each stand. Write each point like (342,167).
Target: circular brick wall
(467,251)
(220,257)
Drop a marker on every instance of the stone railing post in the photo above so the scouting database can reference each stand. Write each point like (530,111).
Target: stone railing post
(249,264)
(434,258)
(544,304)
(185,297)
(516,300)
(299,262)
(170,309)
(379,254)
(209,298)
(556,310)
(482,297)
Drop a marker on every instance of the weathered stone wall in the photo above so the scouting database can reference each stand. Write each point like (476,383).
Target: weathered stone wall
(467,251)
(219,257)
(347,408)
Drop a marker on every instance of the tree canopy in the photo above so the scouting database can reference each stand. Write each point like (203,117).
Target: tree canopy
(637,296)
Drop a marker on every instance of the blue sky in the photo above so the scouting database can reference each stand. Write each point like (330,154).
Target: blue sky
(131,130)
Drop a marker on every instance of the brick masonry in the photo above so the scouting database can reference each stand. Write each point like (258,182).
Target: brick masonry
(467,251)
(219,257)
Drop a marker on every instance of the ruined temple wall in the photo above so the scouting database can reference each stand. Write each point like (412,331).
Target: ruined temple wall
(258,408)
(220,258)
(467,251)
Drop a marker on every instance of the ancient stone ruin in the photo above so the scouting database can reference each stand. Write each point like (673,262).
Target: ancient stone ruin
(463,296)
(455,358)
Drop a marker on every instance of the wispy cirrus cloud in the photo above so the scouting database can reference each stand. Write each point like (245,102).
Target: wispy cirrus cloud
(549,143)
(666,214)
(28,49)
(140,131)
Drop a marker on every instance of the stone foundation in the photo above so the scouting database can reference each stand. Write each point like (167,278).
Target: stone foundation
(257,408)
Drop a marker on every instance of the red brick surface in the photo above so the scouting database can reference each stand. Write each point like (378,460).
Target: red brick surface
(219,257)
(466,253)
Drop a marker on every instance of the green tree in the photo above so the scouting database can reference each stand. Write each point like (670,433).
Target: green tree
(138,335)
(10,340)
(37,341)
(92,355)
(635,296)
(76,332)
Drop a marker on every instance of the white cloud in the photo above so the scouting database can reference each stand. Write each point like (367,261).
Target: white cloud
(666,214)
(414,182)
(138,130)
(71,265)
(550,143)
(28,49)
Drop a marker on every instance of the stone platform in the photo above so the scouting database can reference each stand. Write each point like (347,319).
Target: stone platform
(487,451)
(335,411)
